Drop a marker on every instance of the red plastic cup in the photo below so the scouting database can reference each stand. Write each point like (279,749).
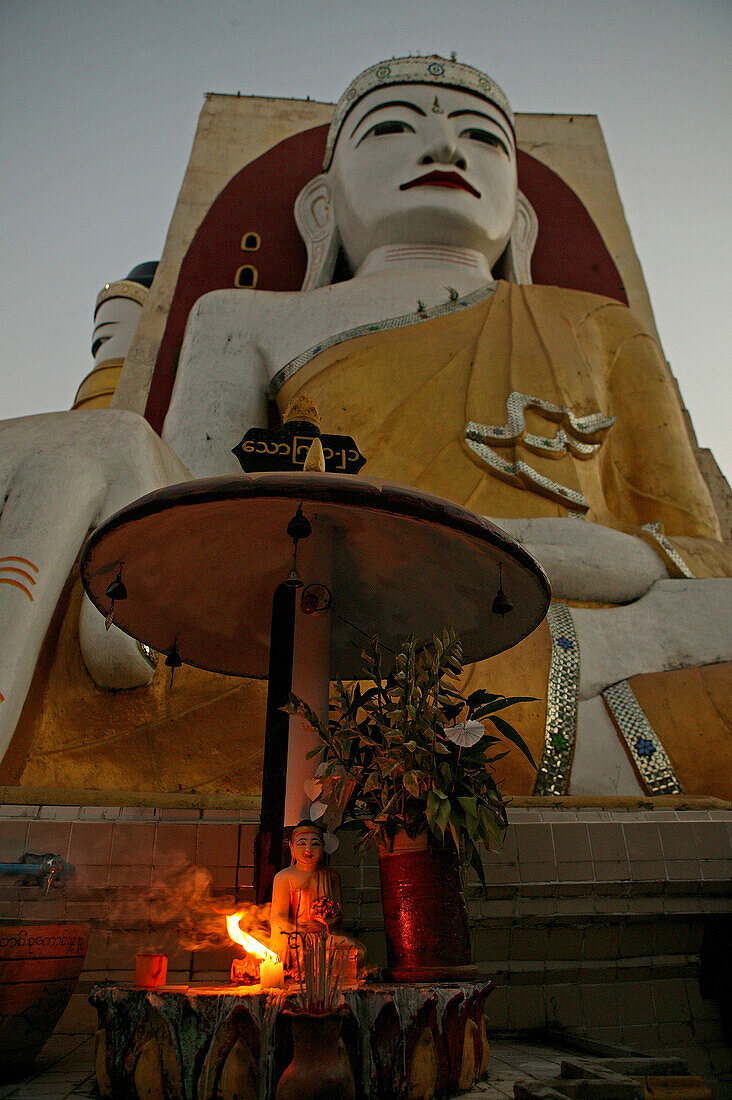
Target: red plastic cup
(151,971)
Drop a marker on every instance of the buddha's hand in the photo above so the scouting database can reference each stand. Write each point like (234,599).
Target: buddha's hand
(308,927)
(60,475)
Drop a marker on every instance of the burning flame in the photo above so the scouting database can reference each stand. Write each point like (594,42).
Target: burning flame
(252,946)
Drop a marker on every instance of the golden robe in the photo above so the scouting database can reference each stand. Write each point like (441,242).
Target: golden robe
(582,415)
(407,395)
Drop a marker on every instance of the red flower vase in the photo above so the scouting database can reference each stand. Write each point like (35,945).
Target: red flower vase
(320,1068)
(425,912)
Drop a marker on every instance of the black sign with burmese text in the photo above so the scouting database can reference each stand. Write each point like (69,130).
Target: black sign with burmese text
(286,448)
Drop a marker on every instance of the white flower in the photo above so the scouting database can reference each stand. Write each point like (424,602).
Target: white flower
(465,734)
(313,788)
(330,843)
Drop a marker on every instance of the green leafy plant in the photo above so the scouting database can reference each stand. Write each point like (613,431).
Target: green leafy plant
(410,752)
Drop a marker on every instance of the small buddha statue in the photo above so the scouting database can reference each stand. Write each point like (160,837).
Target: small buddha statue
(306,896)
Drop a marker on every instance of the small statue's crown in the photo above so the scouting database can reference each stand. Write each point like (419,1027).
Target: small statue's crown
(414,70)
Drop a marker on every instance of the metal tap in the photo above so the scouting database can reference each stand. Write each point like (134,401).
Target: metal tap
(48,867)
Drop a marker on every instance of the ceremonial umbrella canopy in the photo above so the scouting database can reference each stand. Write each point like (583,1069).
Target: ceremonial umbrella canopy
(199,564)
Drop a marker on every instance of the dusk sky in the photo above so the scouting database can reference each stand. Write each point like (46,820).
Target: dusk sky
(101,99)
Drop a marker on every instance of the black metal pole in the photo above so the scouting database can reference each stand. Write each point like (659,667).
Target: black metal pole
(269,841)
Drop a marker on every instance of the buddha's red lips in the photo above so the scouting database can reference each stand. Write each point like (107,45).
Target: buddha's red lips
(441,179)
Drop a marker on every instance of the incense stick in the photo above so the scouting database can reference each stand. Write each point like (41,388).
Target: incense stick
(321,972)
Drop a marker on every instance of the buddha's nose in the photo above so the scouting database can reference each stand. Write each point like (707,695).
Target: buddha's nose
(442,149)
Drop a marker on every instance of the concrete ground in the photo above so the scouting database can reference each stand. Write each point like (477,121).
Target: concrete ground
(65,1069)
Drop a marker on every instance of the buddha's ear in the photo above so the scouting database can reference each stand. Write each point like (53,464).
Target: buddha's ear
(316,222)
(517,259)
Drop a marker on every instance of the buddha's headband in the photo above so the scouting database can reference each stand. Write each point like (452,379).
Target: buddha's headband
(414,70)
(123,288)
(306,827)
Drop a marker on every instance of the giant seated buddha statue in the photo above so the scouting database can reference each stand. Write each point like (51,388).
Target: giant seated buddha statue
(550,410)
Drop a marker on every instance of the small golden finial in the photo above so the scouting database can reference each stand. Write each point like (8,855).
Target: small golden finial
(302,408)
(315,461)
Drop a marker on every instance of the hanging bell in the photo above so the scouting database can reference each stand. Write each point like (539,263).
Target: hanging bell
(299,526)
(172,656)
(172,659)
(116,590)
(293,580)
(501,604)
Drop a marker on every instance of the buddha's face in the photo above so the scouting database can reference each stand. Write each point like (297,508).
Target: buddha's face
(115,323)
(307,849)
(423,164)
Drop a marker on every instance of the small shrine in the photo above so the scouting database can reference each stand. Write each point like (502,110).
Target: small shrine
(168,570)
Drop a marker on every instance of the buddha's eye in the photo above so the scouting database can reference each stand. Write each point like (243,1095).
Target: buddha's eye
(390,126)
(486,137)
(98,343)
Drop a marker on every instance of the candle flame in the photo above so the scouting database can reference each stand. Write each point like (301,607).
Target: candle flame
(252,946)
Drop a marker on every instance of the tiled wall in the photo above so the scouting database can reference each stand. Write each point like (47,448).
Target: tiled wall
(581,867)
(593,919)
(116,854)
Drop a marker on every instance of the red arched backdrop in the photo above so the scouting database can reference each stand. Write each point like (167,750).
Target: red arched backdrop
(260,199)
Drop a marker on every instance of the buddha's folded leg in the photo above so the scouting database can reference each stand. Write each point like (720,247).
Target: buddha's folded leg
(136,462)
(60,475)
(677,624)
